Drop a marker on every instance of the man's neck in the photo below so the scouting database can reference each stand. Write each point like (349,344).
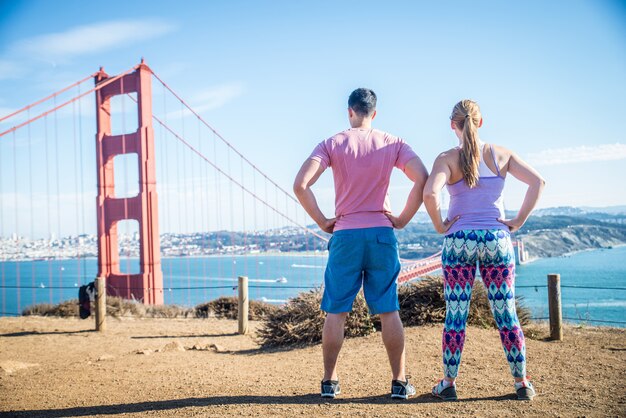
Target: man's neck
(364,123)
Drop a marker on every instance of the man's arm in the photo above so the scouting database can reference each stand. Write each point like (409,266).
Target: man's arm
(417,173)
(306,177)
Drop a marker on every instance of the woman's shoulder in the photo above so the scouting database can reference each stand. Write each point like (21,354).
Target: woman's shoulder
(451,153)
(499,149)
(502,155)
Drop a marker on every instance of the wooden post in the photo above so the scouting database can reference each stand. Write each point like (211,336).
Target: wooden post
(242,314)
(554,306)
(101,304)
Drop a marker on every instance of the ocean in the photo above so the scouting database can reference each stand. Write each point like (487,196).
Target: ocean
(593,286)
(593,282)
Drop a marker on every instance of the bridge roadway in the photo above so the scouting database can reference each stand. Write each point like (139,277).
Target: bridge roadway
(412,269)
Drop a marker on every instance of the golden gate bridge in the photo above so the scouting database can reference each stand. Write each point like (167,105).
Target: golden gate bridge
(216,186)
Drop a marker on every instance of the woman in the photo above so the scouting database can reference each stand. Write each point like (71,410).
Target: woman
(477,232)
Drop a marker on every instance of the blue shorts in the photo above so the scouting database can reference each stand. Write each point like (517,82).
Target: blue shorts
(367,257)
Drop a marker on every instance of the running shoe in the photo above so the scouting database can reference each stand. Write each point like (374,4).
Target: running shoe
(402,390)
(525,390)
(330,388)
(445,391)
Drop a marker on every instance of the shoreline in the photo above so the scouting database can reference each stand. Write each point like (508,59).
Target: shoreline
(309,254)
(265,254)
(571,253)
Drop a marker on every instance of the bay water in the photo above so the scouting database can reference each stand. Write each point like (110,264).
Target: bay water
(593,282)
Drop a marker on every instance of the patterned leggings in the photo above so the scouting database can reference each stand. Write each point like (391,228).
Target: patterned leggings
(493,251)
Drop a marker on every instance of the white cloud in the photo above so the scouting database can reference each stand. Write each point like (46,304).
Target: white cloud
(10,70)
(217,96)
(210,99)
(580,154)
(93,38)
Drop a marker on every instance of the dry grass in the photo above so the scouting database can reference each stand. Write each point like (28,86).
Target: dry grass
(65,309)
(423,303)
(300,321)
(116,307)
(228,308)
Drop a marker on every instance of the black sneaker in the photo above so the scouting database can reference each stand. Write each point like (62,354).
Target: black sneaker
(401,390)
(330,388)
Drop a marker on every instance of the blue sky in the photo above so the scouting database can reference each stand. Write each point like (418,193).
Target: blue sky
(273,77)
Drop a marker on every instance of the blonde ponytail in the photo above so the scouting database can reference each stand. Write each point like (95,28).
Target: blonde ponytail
(466,115)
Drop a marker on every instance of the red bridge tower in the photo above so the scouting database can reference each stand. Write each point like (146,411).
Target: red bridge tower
(147,286)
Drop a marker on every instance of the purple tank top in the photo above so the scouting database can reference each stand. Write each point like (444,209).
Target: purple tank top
(479,207)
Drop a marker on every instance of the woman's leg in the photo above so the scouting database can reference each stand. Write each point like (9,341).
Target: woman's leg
(459,269)
(497,269)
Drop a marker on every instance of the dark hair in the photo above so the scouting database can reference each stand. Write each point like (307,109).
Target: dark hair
(362,101)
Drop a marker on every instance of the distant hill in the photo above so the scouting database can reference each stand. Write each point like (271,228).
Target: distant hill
(547,233)
(421,218)
(554,242)
(583,210)
(611,210)
(555,235)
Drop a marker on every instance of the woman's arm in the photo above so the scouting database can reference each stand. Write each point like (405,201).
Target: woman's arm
(306,177)
(526,174)
(438,178)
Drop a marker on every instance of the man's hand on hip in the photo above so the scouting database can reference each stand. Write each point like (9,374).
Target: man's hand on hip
(328,225)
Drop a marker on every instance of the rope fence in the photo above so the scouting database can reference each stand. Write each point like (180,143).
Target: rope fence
(236,287)
(571,287)
(545,318)
(284,287)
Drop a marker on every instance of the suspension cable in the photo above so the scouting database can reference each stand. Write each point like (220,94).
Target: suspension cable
(63,90)
(98,87)
(220,136)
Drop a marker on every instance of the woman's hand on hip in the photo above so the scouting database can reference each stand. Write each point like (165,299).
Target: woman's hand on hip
(513,224)
(447,224)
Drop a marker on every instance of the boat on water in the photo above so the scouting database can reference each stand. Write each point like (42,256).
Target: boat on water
(281,279)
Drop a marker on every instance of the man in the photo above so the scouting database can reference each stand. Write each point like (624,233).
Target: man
(363,250)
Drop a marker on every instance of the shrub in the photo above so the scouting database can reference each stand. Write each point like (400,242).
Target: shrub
(228,307)
(301,321)
(65,309)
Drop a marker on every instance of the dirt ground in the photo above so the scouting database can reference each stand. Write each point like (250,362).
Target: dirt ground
(52,367)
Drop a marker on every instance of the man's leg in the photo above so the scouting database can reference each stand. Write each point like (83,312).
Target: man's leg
(332,340)
(393,338)
(380,289)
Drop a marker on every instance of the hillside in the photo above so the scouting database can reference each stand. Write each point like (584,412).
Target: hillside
(552,236)
(549,232)
(544,236)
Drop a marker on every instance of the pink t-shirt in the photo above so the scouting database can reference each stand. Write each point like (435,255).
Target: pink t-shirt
(362,160)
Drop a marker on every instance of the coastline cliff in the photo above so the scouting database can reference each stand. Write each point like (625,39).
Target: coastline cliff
(555,243)
(551,234)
